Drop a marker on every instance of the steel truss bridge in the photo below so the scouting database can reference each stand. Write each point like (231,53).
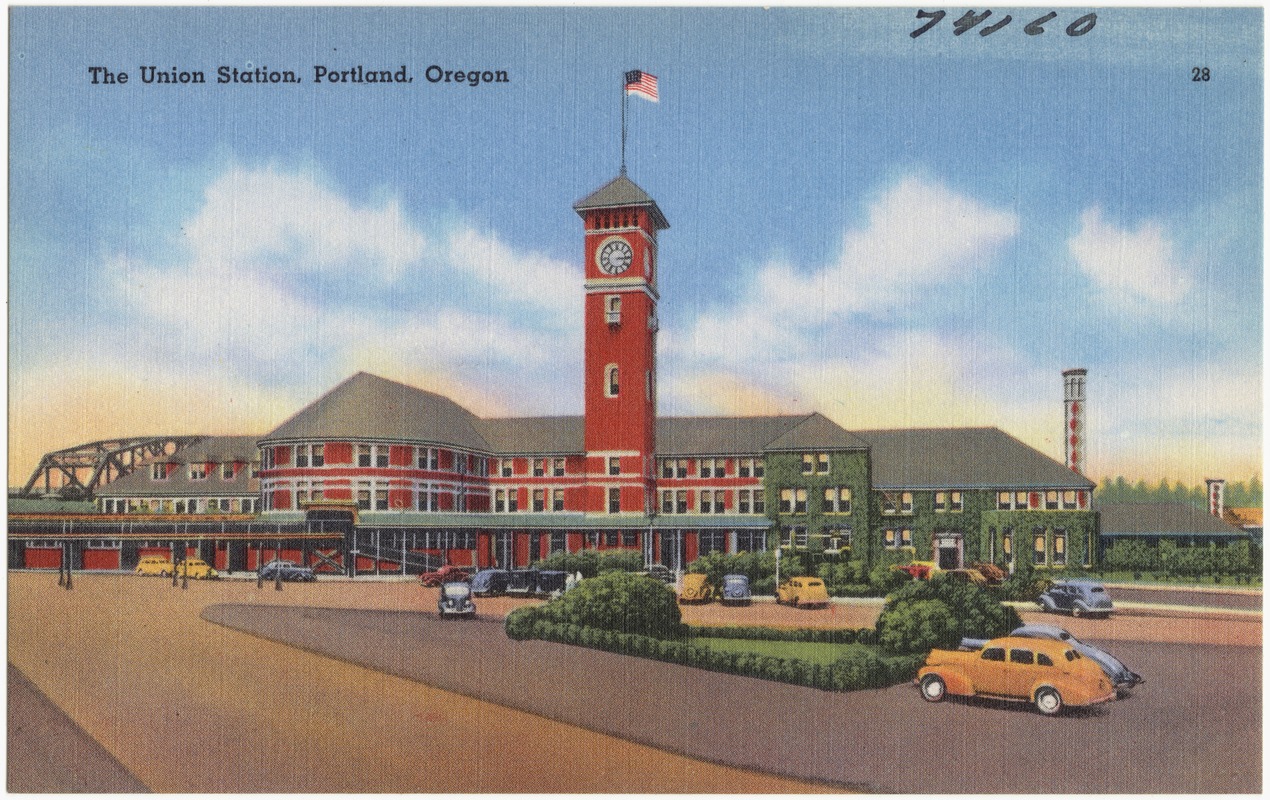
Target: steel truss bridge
(84,468)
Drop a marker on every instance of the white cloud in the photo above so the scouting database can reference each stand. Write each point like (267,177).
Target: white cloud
(1133,270)
(293,223)
(918,234)
(525,279)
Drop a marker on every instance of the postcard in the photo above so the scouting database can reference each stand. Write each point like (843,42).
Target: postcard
(635,400)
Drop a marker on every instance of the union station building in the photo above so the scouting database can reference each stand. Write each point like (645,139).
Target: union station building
(379,477)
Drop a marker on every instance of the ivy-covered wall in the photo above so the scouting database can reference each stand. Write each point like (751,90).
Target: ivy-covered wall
(847,468)
(982,528)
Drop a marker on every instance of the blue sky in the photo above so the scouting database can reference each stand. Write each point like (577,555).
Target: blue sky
(892,231)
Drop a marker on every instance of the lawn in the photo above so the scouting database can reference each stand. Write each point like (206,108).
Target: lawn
(815,652)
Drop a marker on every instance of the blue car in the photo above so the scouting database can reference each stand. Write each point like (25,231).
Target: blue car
(1122,678)
(455,600)
(736,589)
(489,582)
(1080,598)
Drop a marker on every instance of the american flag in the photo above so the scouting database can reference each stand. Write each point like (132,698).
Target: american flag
(642,84)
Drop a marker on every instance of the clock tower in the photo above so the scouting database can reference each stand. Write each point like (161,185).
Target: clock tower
(620,223)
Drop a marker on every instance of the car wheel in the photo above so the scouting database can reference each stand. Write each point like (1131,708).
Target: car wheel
(1076,612)
(933,688)
(1048,701)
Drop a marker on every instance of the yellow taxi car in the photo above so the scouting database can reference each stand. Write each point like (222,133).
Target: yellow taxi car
(196,568)
(154,565)
(1049,674)
(803,592)
(696,589)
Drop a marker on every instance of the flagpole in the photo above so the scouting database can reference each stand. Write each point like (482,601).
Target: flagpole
(624,95)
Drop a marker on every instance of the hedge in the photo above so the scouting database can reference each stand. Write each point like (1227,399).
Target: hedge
(862,669)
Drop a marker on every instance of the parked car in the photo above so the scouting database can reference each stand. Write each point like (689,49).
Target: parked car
(994,574)
(552,582)
(1082,598)
(155,565)
(921,570)
(1049,674)
(196,568)
(446,573)
(803,592)
(489,582)
(455,600)
(736,590)
(696,589)
(522,581)
(1123,678)
(287,570)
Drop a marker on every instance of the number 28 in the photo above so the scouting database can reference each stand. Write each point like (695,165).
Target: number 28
(1200,74)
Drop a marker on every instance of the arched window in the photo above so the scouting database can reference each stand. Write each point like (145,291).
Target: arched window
(610,380)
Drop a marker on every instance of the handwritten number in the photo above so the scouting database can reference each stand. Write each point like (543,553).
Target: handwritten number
(1035,26)
(1083,25)
(1200,74)
(968,21)
(933,16)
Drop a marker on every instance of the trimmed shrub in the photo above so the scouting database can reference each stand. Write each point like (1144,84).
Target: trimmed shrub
(913,621)
(620,601)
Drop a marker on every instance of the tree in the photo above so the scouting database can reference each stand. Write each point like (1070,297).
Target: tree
(620,601)
(939,612)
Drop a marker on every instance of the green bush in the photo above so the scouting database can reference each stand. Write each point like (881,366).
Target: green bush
(921,615)
(592,562)
(619,601)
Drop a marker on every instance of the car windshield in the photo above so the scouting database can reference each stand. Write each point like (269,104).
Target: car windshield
(734,581)
(456,590)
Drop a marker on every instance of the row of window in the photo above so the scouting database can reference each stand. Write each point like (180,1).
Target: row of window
(1050,500)
(748,501)
(160,471)
(190,505)
(711,467)
(836,537)
(378,457)
(834,500)
(508,500)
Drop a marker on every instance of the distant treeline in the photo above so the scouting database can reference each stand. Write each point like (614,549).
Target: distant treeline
(1239,494)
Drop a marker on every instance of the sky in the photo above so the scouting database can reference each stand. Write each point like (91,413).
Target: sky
(894,231)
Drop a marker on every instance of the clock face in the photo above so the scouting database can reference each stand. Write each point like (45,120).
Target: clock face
(614,256)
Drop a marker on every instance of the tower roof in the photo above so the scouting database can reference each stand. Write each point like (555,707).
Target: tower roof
(621,192)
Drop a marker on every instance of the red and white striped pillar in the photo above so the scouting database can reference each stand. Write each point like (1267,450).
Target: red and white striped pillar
(1216,496)
(1074,414)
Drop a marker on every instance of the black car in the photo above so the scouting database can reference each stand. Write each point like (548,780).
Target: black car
(288,570)
(522,581)
(489,582)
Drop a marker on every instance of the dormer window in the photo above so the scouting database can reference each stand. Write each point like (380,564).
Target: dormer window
(227,471)
(158,472)
(198,472)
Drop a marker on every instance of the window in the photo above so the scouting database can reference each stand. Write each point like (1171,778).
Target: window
(363,496)
(381,456)
(363,455)
(615,500)
(610,381)
(540,500)
(1020,500)
(906,502)
(301,493)
(255,469)
(681,501)
(539,467)
(1044,660)
(1003,501)
(837,500)
(714,467)
(615,465)
(1051,500)
(890,503)
(428,498)
(505,467)
(1007,545)
(557,499)
(1020,656)
(613,309)
(809,463)
(947,501)
(302,455)
(513,500)
(941,502)
(1069,500)
(822,463)
(427,458)
(1038,547)
(158,472)
(1060,548)
(198,472)
(839,537)
(787,501)
(743,501)
(500,501)
(954,501)
(557,467)
(667,501)
(268,455)
(705,500)
(712,542)
(898,537)
(993,654)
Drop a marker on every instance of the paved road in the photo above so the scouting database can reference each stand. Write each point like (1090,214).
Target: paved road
(1193,728)
(47,752)
(1205,597)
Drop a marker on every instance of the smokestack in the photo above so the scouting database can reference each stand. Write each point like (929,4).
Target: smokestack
(1216,496)
(1074,413)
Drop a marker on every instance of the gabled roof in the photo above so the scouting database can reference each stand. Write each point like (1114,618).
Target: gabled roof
(1162,519)
(621,192)
(214,450)
(719,436)
(963,458)
(370,407)
(533,435)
